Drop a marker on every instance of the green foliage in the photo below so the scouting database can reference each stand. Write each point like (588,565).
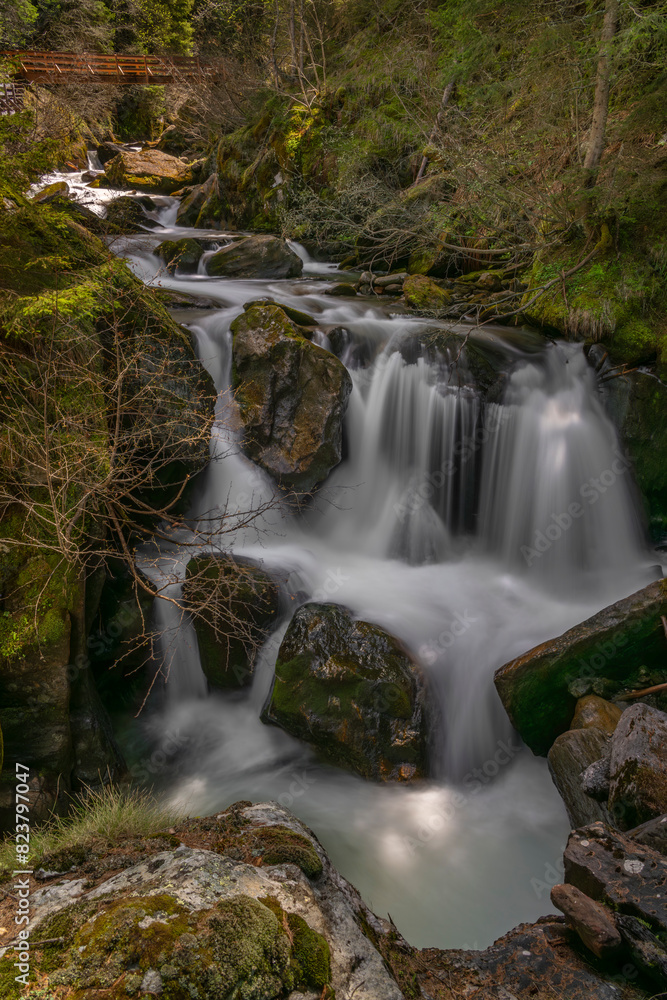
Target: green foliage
(100,818)
(17,18)
(73,25)
(154,26)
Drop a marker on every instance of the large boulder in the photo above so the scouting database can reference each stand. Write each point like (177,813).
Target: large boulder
(129,214)
(220,919)
(201,206)
(150,170)
(638,767)
(255,257)
(352,691)
(235,604)
(292,397)
(424,294)
(620,648)
(182,255)
(570,756)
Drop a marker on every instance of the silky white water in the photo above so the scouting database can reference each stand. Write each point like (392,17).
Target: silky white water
(472,530)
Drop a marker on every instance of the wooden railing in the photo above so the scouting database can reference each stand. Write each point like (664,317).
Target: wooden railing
(52,67)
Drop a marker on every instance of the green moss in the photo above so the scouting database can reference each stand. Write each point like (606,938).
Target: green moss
(270,845)
(422,293)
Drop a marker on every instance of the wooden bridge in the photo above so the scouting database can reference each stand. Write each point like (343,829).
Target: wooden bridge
(62,67)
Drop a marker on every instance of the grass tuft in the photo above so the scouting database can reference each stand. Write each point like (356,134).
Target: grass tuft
(99,819)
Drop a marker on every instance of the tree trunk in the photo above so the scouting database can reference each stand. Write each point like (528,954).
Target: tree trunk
(601,102)
(443,105)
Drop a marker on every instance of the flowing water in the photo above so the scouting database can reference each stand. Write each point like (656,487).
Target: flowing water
(472,529)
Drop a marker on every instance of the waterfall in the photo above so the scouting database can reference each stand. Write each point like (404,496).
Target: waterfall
(470,525)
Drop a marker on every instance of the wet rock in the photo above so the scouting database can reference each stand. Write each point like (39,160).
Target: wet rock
(593,922)
(240,605)
(201,206)
(201,923)
(58,190)
(182,255)
(638,768)
(255,257)
(298,317)
(489,281)
(592,711)
(107,151)
(149,170)
(292,397)
(422,293)
(653,833)
(646,948)
(614,869)
(569,757)
(352,691)
(341,288)
(128,215)
(614,649)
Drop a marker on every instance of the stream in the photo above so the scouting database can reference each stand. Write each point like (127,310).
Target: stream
(428,527)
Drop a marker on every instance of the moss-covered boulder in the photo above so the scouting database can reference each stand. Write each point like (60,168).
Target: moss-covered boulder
(235,605)
(148,170)
(352,691)
(253,910)
(301,319)
(128,215)
(292,397)
(201,206)
(423,294)
(621,648)
(255,257)
(183,255)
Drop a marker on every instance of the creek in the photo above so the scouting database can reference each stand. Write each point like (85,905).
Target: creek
(447,524)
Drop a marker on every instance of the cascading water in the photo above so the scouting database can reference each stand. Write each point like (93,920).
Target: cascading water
(432,527)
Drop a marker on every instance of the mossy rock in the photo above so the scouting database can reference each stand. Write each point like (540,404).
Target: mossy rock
(614,651)
(292,397)
(298,317)
(255,257)
(241,605)
(268,845)
(129,214)
(423,294)
(351,690)
(241,947)
(183,255)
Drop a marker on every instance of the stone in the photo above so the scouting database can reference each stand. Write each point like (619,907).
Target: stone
(128,215)
(292,397)
(653,833)
(255,257)
(422,293)
(489,282)
(592,711)
(241,605)
(148,170)
(57,190)
(270,931)
(593,922)
(300,318)
(638,767)
(341,288)
(152,983)
(595,779)
(201,206)
(615,647)
(391,279)
(569,757)
(353,692)
(647,950)
(614,869)
(108,151)
(182,255)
